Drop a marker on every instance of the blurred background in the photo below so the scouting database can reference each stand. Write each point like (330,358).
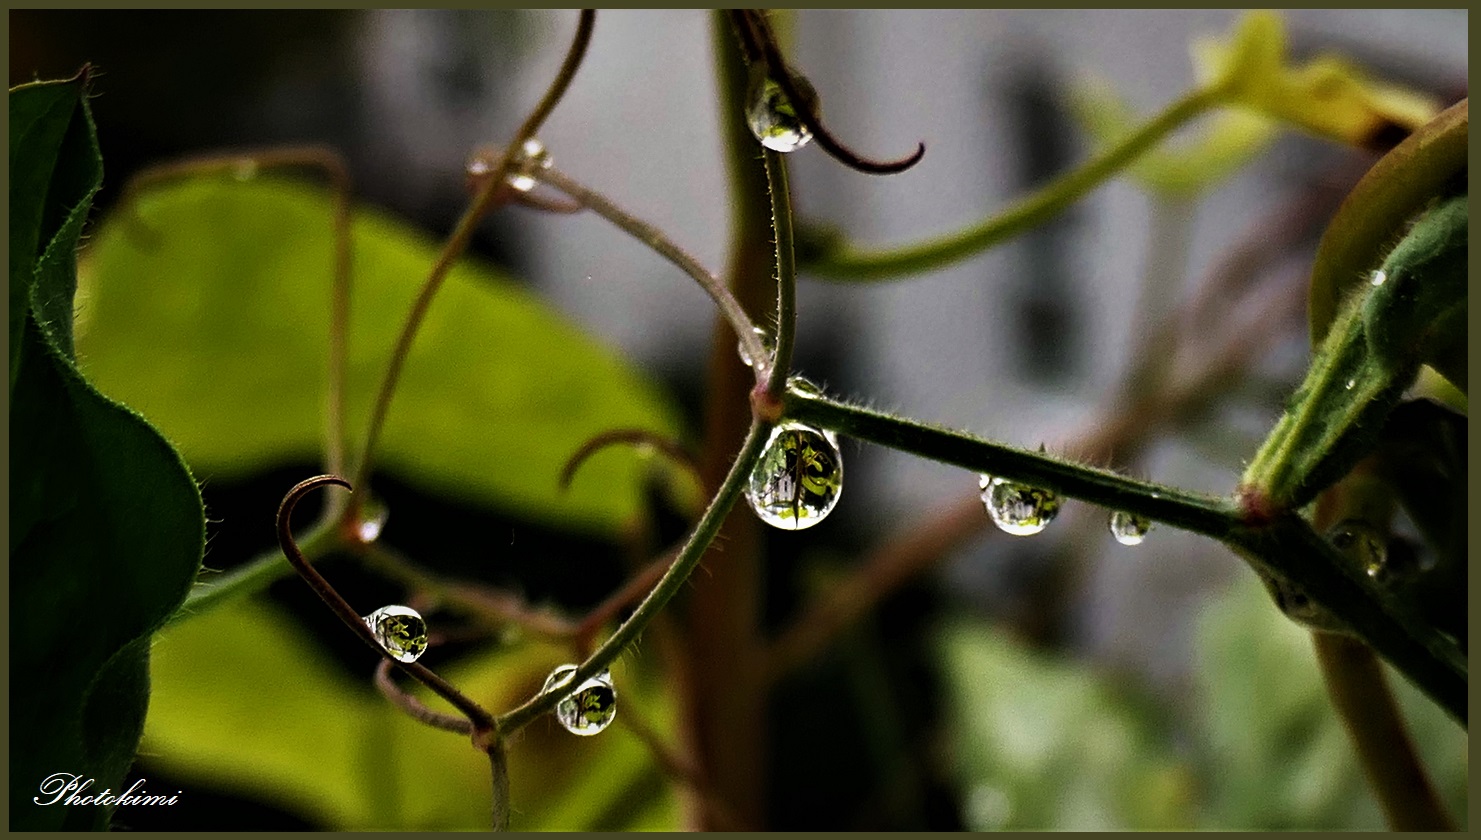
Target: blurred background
(1060,682)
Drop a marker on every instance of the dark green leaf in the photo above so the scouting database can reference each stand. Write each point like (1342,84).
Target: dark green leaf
(106,527)
(217,326)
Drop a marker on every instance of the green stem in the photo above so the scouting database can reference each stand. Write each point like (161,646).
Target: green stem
(663,591)
(1285,547)
(781,225)
(848,263)
(256,574)
(1190,511)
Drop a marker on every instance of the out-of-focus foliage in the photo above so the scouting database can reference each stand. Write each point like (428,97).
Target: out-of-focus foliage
(1328,96)
(246,701)
(1045,743)
(209,310)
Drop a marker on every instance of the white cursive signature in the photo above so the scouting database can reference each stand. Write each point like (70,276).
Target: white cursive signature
(72,786)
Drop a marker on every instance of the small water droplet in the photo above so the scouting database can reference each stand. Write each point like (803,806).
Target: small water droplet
(1379,277)
(767,342)
(1351,383)
(1016,508)
(532,158)
(798,479)
(400,630)
(772,117)
(802,385)
(1365,546)
(372,522)
(1129,528)
(590,708)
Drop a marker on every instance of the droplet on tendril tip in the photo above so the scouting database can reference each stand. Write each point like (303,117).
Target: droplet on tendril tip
(1129,528)
(400,630)
(772,117)
(371,524)
(1018,509)
(797,481)
(590,708)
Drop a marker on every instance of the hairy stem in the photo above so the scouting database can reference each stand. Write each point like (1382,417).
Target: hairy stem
(786,275)
(666,588)
(848,263)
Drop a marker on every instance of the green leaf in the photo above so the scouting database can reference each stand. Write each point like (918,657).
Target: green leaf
(1273,755)
(1418,311)
(1374,215)
(217,326)
(107,528)
(1412,312)
(245,700)
(1041,744)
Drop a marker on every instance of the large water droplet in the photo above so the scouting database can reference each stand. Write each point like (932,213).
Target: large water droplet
(772,117)
(767,343)
(400,630)
(1129,528)
(1019,509)
(797,481)
(532,158)
(590,708)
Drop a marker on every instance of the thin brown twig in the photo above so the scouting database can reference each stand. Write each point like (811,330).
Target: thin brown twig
(414,707)
(494,192)
(633,437)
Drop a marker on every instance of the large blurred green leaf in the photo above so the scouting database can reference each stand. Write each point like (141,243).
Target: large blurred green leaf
(246,701)
(1275,756)
(211,314)
(1044,744)
(106,528)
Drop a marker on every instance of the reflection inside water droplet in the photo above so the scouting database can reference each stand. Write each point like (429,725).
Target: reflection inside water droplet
(767,343)
(798,479)
(1129,528)
(1366,547)
(773,119)
(1018,509)
(590,708)
(400,630)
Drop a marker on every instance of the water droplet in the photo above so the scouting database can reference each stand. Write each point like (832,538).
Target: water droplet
(400,630)
(1019,509)
(1298,607)
(802,385)
(767,342)
(772,117)
(590,708)
(1379,277)
(1129,528)
(532,158)
(798,479)
(372,522)
(1351,383)
(1365,546)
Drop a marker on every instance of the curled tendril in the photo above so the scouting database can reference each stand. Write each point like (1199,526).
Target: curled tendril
(414,707)
(481,724)
(633,437)
(758,43)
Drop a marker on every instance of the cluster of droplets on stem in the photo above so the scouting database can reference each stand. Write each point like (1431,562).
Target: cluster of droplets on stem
(772,116)
(400,630)
(588,709)
(1018,509)
(524,174)
(798,478)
